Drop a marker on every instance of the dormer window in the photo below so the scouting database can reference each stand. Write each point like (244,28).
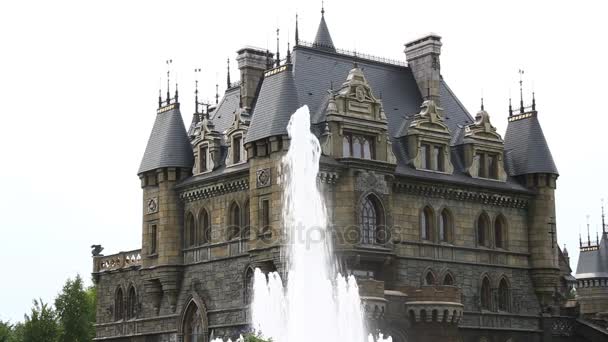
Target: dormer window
(236,149)
(432,157)
(358,146)
(488,165)
(202,157)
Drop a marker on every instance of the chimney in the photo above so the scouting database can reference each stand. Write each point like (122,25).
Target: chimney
(252,64)
(423,58)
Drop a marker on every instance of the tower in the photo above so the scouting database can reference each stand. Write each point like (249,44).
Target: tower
(167,160)
(531,161)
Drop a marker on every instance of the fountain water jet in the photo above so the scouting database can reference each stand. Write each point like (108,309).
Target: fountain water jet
(318,303)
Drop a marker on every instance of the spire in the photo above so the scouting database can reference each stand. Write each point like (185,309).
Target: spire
(169,61)
(510,108)
(217,93)
(176,93)
(580,240)
(603,222)
(288,60)
(521,93)
(160,99)
(297,32)
(482,109)
(588,236)
(196,71)
(322,8)
(533,101)
(323,38)
(278,61)
(228,73)
(268,60)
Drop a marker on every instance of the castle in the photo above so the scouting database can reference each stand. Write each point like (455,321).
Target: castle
(449,227)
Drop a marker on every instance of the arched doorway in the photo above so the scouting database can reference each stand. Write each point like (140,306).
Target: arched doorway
(194,327)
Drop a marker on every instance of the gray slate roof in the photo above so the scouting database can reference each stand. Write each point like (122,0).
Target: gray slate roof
(593,263)
(277,100)
(223,116)
(526,150)
(168,145)
(323,38)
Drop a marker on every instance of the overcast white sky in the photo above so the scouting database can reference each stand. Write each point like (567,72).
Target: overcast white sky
(79,84)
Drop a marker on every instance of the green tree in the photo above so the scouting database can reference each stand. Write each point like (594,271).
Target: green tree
(6,331)
(17,335)
(76,311)
(41,325)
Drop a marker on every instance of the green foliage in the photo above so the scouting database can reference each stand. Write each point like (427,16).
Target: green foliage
(41,325)
(76,312)
(6,331)
(255,338)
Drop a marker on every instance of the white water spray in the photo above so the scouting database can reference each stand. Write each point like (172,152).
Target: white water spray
(318,304)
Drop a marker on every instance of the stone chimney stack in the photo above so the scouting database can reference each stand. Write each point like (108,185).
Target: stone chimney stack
(252,64)
(423,58)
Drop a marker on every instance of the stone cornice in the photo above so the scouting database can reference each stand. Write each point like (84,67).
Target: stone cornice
(459,194)
(213,190)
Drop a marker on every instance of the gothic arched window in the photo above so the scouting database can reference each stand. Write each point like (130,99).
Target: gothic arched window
(426,223)
(483,229)
(131,303)
(485,294)
(190,235)
(193,324)
(429,279)
(346,152)
(234,224)
(445,226)
(204,226)
(118,305)
(372,230)
(500,232)
(448,279)
(248,291)
(503,295)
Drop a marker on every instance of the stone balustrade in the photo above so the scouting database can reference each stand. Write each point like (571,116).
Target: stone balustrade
(440,304)
(372,297)
(215,251)
(104,263)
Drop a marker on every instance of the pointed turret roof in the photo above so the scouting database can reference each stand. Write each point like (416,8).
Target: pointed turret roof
(593,261)
(526,149)
(168,145)
(277,101)
(323,38)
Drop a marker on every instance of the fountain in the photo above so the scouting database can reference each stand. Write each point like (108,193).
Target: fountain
(318,304)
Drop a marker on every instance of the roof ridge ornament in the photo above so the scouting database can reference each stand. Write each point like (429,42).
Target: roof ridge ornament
(228,72)
(168,62)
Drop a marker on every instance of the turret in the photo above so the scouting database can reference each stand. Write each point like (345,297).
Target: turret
(167,160)
(529,159)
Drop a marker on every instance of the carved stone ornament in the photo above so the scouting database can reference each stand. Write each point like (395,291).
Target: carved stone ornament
(152,205)
(263,178)
(369,181)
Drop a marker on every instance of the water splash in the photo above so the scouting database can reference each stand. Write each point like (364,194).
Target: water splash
(318,304)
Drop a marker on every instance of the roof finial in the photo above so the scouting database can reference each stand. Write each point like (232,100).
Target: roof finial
(297,32)
(160,99)
(228,73)
(482,109)
(603,222)
(588,236)
(322,8)
(597,238)
(510,108)
(268,60)
(217,93)
(580,239)
(196,71)
(176,93)
(278,61)
(533,101)
(169,61)
(521,93)
(288,60)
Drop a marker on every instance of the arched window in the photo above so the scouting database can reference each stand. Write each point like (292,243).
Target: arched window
(346,146)
(234,225)
(357,146)
(483,227)
(503,295)
(190,237)
(193,324)
(500,230)
(131,303)
(445,226)
(448,279)
(246,221)
(426,223)
(486,296)
(248,291)
(204,226)
(372,230)
(429,278)
(118,305)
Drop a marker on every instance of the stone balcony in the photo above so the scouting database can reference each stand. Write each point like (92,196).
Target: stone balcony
(118,261)
(438,304)
(372,298)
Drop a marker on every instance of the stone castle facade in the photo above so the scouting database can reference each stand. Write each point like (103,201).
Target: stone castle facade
(448,226)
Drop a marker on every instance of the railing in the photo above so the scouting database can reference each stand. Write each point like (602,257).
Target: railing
(356,54)
(117,261)
(220,250)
